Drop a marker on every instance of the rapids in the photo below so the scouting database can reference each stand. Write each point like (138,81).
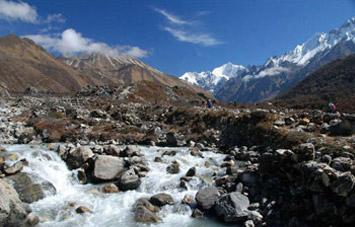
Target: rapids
(114,209)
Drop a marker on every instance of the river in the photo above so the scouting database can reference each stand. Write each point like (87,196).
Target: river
(115,209)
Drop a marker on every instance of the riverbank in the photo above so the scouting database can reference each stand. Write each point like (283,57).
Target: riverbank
(248,166)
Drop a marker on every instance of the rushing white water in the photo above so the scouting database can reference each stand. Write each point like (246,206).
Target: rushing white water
(115,209)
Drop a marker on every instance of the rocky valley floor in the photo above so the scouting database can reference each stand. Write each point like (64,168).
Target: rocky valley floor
(98,162)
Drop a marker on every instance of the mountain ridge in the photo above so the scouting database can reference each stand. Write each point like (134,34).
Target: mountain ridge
(28,67)
(277,74)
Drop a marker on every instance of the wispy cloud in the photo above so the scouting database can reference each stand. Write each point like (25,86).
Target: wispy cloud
(196,38)
(71,42)
(171,17)
(186,31)
(23,12)
(18,11)
(54,18)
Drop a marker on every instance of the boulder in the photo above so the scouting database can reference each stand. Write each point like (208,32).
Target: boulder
(171,139)
(108,167)
(169,153)
(158,159)
(196,152)
(188,199)
(144,212)
(161,199)
(197,213)
(112,150)
(343,184)
(130,151)
(32,220)
(28,190)
(12,210)
(342,164)
(173,168)
(83,210)
(129,181)
(191,172)
(233,207)
(207,197)
(340,128)
(249,223)
(78,156)
(82,176)
(145,202)
(305,152)
(109,188)
(14,168)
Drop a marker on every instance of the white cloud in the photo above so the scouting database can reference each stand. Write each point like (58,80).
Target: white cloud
(191,37)
(55,18)
(266,72)
(18,11)
(171,17)
(71,42)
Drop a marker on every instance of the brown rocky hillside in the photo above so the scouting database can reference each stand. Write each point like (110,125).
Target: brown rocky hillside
(333,82)
(23,65)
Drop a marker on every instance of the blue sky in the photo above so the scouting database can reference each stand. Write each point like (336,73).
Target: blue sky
(175,36)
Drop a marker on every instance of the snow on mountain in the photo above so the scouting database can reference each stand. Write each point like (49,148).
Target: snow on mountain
(299,58)
(210,79)
(303,53)
(229,70)
(206,80)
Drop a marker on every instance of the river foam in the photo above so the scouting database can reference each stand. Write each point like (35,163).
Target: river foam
(115,209)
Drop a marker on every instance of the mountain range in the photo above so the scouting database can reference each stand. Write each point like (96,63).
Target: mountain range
(24,65)
(248,84)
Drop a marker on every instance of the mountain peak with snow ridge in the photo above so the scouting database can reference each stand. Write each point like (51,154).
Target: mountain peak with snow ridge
(210,79)
(313,50)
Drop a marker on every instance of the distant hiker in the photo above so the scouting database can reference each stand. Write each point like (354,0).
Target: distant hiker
(332,108)
(209,104)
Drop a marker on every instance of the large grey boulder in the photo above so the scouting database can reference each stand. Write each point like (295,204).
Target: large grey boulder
(233,207)
(131,151)
(12,211)
(108,167)
(144,212)
(129,181)
(207,197)
(78,156)
(14,168)
(28,190)
(161,199)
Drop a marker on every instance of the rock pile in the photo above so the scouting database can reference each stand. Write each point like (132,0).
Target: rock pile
(124,166)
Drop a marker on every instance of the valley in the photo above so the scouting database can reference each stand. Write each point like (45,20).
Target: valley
(97,129)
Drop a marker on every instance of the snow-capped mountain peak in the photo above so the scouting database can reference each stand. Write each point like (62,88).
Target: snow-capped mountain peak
(229,70)
(259,82)
(210,79)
